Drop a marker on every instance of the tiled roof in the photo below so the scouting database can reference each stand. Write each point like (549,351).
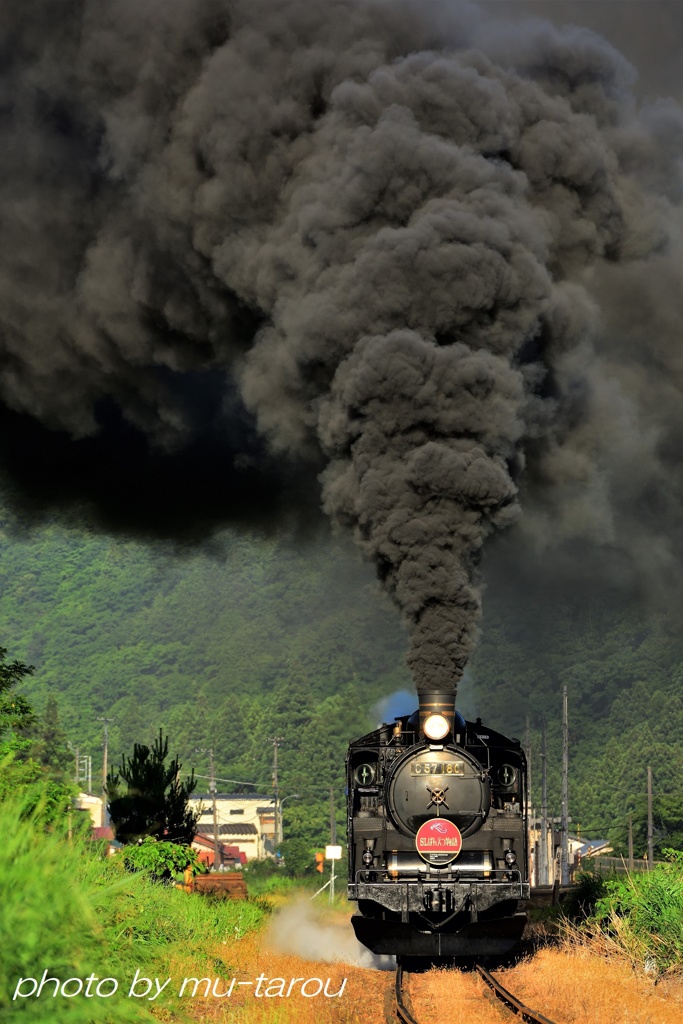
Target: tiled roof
(233,828)
(266,810)
(102,832)
(229,796)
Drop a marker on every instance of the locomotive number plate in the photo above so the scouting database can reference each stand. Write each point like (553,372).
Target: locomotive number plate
(437,768)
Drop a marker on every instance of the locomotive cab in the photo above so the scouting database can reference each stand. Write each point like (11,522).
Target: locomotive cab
(437,835)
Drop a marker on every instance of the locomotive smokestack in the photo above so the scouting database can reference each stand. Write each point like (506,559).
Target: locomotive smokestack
(437,713)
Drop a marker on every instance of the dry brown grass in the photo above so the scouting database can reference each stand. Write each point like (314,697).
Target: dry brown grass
(568,985)
(571,984)
(575,985)
(456,997)
(361,1002)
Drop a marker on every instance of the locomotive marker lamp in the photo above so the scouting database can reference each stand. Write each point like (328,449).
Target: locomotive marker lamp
(364,775)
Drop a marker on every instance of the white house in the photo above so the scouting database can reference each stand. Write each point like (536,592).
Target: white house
(245,820)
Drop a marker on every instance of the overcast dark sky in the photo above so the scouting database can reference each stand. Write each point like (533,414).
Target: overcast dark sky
(648,32)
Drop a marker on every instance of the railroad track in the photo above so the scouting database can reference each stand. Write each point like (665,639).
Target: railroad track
(512,1002)
(501,993)
(402,1012)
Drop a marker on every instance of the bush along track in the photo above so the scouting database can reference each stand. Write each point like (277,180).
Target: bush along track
(640,916)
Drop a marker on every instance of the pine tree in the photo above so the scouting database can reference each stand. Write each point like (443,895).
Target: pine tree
(155,802)
(16,715)
(15,710)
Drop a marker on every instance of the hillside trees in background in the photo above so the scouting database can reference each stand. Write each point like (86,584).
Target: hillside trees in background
(228,647)
(48,745)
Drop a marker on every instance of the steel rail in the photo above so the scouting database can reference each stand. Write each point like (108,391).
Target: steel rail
(402,1011)
(511,1001)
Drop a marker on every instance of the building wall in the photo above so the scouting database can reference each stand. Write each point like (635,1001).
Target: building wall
(238,809)
(94,805)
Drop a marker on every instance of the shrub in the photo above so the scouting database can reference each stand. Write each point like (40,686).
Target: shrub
(643,914)
(580,903)
(160,859)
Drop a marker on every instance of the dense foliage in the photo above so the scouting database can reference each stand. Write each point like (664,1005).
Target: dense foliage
(160,859)
(15,710)
(641,915)
(622,663)
(74,915)
(229,646)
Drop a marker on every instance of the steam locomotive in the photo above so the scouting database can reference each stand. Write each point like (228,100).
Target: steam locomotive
(437,835)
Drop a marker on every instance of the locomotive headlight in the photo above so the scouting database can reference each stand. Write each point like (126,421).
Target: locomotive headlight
(510,858)
(436,727)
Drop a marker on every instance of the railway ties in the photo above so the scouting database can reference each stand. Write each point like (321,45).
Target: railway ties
(506,997)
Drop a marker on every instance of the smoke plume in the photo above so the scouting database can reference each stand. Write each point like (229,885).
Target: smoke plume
(300,930)
(380,240)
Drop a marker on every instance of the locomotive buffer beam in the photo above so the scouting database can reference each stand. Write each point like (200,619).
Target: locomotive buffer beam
(415,897)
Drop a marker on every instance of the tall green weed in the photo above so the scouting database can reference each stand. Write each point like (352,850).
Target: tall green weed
(643,914)
(67,911)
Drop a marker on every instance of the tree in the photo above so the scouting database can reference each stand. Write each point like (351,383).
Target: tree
(48,743)
(15,714)
(15,710)
(155,802)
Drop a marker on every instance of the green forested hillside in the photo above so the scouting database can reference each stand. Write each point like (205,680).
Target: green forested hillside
(225,647)
(622,663)
(247,640)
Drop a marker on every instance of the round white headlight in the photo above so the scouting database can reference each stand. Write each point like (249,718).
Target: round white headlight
(436,727)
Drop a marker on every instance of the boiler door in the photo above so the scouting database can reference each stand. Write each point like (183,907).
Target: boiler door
(439,783)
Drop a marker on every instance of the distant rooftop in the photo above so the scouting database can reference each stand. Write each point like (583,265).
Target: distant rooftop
(230,796)
(233,828)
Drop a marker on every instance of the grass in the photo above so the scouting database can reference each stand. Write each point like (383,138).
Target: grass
(638,917)
(67,911)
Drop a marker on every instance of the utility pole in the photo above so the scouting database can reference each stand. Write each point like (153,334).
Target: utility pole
(212,790)
(650,845)
(564,862)
(78,765)
(101,718)
(276,741)
(333,824)
(630,842)
(84,771)
(543,859)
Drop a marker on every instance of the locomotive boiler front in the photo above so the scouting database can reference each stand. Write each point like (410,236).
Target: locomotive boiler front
(431,783)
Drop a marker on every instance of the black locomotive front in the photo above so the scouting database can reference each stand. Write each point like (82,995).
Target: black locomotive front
(437,835)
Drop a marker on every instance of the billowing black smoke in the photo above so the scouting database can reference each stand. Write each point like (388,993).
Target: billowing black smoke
(385,228)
